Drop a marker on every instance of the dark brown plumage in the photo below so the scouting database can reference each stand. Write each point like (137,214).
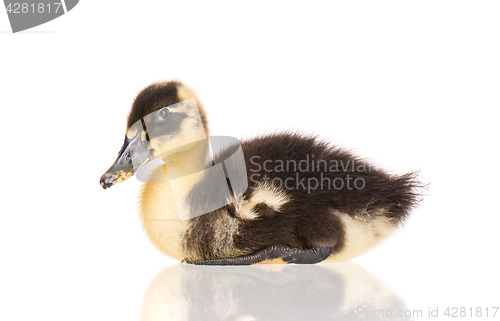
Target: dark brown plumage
(307,221)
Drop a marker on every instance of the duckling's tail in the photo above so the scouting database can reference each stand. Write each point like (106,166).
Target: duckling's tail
(404,194)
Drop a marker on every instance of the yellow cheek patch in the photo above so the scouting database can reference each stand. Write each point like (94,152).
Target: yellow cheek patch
(122,176)
(273,261)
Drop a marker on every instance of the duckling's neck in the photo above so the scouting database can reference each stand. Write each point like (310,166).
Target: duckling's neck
(187,161)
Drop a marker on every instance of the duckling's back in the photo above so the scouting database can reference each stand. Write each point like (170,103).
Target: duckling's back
(303,194)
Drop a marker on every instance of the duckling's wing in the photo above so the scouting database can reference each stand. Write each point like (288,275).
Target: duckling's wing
(276,253)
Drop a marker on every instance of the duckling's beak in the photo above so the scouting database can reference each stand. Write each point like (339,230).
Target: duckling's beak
(133,154)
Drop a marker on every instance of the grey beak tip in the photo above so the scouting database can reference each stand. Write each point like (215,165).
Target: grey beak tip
(106,181)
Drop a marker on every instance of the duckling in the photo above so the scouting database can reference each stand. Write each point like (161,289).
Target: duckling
(304,201)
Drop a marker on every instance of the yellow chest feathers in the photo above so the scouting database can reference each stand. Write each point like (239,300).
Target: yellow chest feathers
(160,219)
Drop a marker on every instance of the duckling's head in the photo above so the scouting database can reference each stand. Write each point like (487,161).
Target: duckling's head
(166,118)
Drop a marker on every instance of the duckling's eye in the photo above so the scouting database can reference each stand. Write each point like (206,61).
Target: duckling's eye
(162,115)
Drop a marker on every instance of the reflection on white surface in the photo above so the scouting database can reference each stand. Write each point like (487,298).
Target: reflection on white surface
(327,291)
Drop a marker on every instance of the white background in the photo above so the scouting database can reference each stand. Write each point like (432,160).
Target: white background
(406,85)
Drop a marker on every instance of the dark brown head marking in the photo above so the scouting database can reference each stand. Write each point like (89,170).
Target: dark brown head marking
(152,98)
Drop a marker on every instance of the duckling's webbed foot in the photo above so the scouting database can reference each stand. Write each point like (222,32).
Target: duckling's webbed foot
(277,253)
